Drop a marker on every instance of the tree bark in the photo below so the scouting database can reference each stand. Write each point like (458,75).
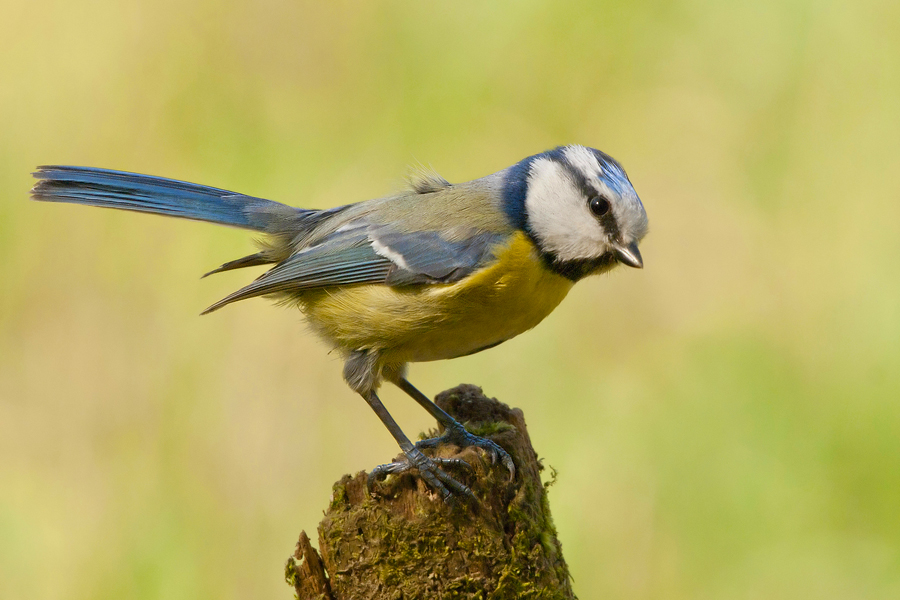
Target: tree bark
(404,542)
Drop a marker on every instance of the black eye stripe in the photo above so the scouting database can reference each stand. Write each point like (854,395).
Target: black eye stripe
(610,225)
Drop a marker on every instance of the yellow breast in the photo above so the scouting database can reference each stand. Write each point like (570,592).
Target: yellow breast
(434,322)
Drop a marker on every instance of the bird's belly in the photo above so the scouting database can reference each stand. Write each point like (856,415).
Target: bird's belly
(434,322)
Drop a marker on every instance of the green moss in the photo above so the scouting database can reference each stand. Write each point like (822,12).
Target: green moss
(338,495)
(404,543)
(488,428)
(290,572)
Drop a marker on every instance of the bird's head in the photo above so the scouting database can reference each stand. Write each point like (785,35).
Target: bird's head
(579,207)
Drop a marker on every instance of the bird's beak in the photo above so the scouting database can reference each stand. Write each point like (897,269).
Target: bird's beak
(629,255)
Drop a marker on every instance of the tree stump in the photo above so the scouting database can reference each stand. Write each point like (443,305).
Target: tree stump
(404,542)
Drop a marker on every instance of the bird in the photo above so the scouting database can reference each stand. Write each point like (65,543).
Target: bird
(433,272)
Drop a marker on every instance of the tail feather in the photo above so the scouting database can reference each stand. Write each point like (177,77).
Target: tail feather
(254,260)
(157,195)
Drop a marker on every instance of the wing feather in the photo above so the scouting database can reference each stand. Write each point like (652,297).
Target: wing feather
(368,254)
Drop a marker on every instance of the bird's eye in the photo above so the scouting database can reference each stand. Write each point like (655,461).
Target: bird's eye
(599,205)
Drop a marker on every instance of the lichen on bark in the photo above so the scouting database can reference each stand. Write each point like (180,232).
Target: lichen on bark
(404,542)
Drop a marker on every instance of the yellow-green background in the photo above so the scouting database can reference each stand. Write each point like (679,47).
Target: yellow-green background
(726,422)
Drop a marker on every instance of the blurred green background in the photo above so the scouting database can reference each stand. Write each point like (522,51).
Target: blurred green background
(725,423)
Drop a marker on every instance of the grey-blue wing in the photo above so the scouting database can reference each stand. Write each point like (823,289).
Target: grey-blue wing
(427,257)
(373,254)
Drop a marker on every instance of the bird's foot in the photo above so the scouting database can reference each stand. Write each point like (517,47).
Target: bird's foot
(429,469)
(456,434)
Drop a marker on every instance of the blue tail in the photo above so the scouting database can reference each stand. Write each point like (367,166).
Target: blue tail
(145,193)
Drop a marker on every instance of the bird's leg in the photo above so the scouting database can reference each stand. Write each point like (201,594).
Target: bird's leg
(454,432)
(429,468)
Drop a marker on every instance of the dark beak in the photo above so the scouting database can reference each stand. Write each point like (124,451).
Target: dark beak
(630,255)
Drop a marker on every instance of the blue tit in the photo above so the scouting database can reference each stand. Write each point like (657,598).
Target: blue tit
(438,271)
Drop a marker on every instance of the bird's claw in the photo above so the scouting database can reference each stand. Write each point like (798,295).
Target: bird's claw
(457,435)
(429,470)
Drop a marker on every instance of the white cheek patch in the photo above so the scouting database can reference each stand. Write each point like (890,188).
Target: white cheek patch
(558,214)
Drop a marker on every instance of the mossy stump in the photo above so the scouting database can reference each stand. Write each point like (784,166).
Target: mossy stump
(404,542)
